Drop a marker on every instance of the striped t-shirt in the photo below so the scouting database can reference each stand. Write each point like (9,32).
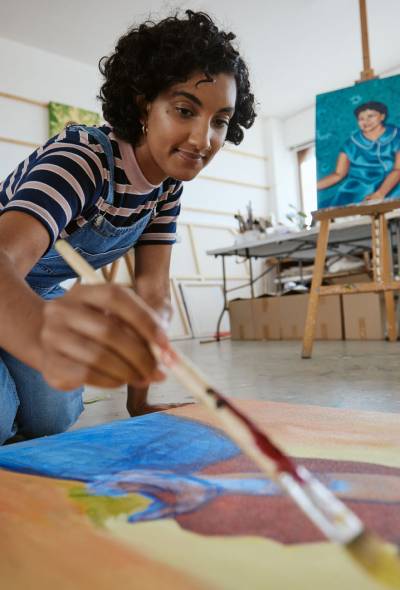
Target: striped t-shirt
(64,183)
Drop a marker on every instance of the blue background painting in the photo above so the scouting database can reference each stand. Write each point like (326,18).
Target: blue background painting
(335,122)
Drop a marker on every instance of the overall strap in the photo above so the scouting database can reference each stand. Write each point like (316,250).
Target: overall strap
(105,142)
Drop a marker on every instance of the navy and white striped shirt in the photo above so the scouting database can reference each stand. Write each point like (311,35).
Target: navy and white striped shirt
(65,182)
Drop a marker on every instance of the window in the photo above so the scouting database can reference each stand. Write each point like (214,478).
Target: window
(308,180)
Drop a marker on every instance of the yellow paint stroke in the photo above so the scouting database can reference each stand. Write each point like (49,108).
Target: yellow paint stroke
(380,559)
(101,508)
(235,563)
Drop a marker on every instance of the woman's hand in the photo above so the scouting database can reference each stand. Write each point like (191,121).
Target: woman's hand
(100,335)
(376,196)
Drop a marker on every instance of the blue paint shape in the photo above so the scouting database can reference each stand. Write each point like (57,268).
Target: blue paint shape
(339,486)
(152,442)
(172,494)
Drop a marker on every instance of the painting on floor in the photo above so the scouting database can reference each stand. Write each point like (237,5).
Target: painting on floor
(168,500)
(358,142)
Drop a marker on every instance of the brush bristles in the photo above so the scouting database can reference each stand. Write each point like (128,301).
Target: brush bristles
(380,559)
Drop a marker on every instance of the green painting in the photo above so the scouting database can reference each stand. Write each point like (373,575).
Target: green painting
(62,114)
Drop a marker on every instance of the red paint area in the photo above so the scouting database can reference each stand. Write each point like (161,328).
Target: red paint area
(243,464)
(279,519)
(276,518)
(261,440)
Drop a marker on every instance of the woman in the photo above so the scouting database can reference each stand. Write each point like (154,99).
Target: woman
(173,92)
(368,166)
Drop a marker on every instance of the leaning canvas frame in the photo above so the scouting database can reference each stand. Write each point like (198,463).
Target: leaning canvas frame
(337,126)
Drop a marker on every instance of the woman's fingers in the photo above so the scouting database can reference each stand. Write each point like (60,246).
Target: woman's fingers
(91,354)
(108,333)
(127,306)
(64,374)
(101,335)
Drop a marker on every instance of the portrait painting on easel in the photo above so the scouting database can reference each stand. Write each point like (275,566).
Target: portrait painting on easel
(358,143)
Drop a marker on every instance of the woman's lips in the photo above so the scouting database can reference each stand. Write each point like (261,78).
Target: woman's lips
(191,157)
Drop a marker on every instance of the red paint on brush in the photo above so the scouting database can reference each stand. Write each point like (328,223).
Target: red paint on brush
(265,444)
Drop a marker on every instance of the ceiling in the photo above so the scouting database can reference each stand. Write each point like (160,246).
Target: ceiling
(295,48)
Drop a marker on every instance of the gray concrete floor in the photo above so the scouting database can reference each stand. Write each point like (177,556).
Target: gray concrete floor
(359,375)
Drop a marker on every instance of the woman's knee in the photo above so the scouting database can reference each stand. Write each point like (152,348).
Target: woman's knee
(55,416)
(9,403)
(7,430)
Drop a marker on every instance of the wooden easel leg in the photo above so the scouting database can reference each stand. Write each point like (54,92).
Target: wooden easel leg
(387,277)
(319,264)
(105,273)
(114,270)
(130,266)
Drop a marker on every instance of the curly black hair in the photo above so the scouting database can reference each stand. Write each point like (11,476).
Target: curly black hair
(372,105)
(154,56)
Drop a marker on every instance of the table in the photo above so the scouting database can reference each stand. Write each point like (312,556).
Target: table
(345,238)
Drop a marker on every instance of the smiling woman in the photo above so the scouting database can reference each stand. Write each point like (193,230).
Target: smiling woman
(173,92)
(185,126)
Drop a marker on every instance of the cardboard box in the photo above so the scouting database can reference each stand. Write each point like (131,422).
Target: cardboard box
(283,318)
(266,313)
(364,316)
(255,319)
(293,311)
(241,317)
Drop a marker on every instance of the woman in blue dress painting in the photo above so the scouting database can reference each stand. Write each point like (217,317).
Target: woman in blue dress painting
(368,165)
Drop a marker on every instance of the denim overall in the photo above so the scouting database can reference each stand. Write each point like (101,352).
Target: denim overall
(27,403)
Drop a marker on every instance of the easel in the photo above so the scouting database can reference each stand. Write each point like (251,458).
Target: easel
(381,259)
(367,72)
(110,272)
(381,252)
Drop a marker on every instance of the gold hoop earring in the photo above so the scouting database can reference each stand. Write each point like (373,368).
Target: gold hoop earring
(144,129)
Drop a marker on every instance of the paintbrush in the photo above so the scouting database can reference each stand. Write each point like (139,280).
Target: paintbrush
(334,519)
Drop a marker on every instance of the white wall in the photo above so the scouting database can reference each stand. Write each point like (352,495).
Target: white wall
(44,76)
(282,169)
(299,129)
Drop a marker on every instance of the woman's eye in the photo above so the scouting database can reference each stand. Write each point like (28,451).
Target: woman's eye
(221,122)
(184,112)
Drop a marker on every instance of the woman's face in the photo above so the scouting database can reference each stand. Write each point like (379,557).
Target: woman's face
(369,120)
(186,126)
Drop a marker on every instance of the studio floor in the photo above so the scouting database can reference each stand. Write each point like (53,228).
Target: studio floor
(359,375)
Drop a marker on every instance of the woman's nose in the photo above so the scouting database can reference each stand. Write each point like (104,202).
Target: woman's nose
(200,136)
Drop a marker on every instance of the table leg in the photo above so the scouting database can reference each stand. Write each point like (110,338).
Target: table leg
(319,264)
(396,248)
(225,308)
(387,277)
(251,274)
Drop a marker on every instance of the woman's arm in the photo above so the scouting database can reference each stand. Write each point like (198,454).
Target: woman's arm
(23,240)
(342,170)
(152,263)
(390,182)
(95,335)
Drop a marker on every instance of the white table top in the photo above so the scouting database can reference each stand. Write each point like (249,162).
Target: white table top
(301,245)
